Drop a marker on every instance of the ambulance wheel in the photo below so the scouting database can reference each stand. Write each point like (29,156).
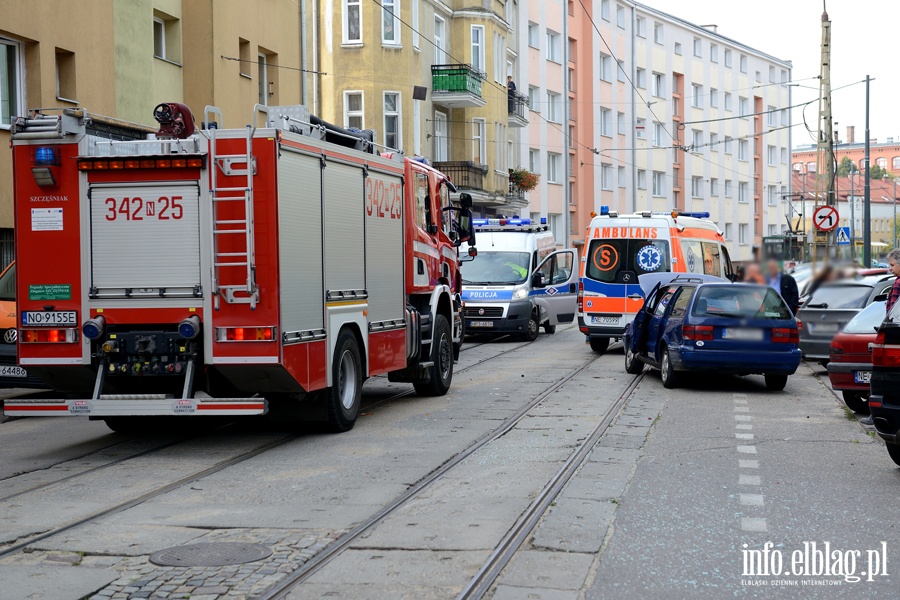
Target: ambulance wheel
(599,344)
(442,357)
(531,329)
(633,366)
(343,398)
(125,424)
(549,329)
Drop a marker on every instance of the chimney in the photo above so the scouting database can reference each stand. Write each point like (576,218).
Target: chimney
(851,134)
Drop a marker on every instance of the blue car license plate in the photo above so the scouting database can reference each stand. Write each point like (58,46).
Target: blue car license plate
(862,376)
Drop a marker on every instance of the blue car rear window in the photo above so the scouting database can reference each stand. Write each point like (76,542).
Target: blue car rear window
(740,302)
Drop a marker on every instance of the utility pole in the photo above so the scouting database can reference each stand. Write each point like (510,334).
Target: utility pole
(852,214)
(825,145)
(867,196)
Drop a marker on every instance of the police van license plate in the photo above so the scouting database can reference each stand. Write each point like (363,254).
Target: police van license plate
(862,376)
(51,318)
(481,323)
(13,372)
(605,320)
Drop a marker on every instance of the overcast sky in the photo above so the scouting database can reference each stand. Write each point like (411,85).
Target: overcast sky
(864,36)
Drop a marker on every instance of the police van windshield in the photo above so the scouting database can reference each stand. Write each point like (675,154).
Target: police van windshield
(497,268)
(609,260)
(8,284)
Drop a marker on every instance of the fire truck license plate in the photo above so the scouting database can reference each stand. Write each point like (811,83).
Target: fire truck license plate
(481,323)
(53,318)
(13,372)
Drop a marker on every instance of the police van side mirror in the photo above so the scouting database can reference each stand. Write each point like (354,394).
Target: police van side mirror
(537,280)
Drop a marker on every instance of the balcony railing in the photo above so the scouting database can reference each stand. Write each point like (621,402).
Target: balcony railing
(518,105)
(464,173)
(457,86)
(515,193)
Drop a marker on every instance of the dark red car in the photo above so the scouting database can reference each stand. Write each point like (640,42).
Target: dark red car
(850,364)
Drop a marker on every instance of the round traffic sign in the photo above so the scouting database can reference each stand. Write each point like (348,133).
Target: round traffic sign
(826,218)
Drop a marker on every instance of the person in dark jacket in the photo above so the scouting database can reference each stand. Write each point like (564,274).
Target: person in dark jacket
(785,285)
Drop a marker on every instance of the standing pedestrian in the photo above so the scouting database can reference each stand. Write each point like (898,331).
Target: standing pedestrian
(785,285)
(894,262)
(511,92)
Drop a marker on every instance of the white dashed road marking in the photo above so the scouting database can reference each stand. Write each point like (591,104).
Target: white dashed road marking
(749,480)
(748,464)
(753,524)
(747,449)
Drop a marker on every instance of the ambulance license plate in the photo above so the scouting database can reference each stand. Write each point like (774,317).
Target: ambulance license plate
(13,372)
(481,323)
(52,318)
(605,320)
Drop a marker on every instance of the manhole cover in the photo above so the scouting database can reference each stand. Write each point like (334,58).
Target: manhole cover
(218,554)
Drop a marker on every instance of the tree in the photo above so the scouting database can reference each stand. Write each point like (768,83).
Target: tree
(876,172)
(845,167)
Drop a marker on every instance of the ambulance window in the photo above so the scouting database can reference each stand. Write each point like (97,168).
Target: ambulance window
(423,211)
(609,260)
(712,261)
(729,271)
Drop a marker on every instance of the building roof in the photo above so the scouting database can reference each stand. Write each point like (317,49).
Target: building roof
(878,188)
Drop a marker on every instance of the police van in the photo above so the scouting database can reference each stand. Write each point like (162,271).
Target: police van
(518,281)
(619,248)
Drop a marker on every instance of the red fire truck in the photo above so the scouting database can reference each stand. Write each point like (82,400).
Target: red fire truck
(216,271)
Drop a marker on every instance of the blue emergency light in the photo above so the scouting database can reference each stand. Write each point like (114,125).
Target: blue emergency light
(604,210)
(543,220)
(46,156)
(696,215)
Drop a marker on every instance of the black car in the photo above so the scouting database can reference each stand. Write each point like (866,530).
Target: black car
(884,399)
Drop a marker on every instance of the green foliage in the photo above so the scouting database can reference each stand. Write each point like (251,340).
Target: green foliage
(844,167)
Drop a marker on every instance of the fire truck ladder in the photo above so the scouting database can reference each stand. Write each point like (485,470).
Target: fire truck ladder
(230,165)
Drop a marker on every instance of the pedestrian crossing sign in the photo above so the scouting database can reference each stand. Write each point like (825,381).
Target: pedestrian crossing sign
(842,236)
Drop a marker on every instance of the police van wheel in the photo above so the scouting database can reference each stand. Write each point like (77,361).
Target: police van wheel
(599,344)
(442,357)
(531,329)
(343,398)
(549,329)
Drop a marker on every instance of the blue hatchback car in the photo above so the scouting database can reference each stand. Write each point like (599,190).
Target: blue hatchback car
(703,323)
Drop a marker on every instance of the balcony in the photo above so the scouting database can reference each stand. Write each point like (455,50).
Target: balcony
(456,86)
(464,174)
(516,197)
(518,105)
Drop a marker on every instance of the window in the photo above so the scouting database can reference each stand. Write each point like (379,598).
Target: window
(641,127)
(729,232)
(772,116)
(713,98)
(478,47)
(11,81)
(572,50)
(697,97)
(728,101)
(605,122)
(244,55)
(696,187)
(65,76)
(728,58)
(743,107)
(440,41)
(640,27)
(743,150)
(415,25)
(554,50)
(534,160)
(553,162)
(743,192)
(784,77)
(895,163)
(743,63)
(533,102)
(659,85)
(642,179)
(441,141)
(811,167)
(881,162)
(621,175)
(698,47)
(714,142)
(501,152)
(728,141)
(604,10)
(605,68)
(620,71)
(641,78)
(772,194)
(658,33)
(159,38)
(784,116)
(772,156)
(713,187)
(620,123)
(353,110)
(390,22)
(728,188)
(479,141)
(784,156)
(392,137)
(417,128)
(423,213)
(554,107)
(696,139)
(758,76)
(262,65)
(499,59)
(620,17)
(534,35)
(659,183)
(657,134)
(571,80)
(714,53)
(571,136)
(773,229)
(772,75)
(352,22)
(677,49)
(606,177)
(743,233)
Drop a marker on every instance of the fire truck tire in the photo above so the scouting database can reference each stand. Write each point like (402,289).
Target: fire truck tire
(343,398)
(126,424)
(442,356)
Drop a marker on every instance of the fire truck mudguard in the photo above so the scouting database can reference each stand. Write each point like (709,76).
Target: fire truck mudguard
(226,271)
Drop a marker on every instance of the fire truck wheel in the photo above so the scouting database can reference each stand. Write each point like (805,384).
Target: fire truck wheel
(343,398)
(531,329)
(442,356)
(126,424)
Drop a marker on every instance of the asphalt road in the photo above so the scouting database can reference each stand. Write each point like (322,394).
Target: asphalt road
(662,508)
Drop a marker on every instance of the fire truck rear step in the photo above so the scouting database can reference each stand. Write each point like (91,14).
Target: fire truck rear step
(135,406)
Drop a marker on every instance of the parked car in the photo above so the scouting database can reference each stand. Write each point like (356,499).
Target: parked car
(850,361)
(832,306)
(884,400)
(695,324)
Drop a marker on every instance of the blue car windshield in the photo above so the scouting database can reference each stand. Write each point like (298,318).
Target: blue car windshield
(740,302)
